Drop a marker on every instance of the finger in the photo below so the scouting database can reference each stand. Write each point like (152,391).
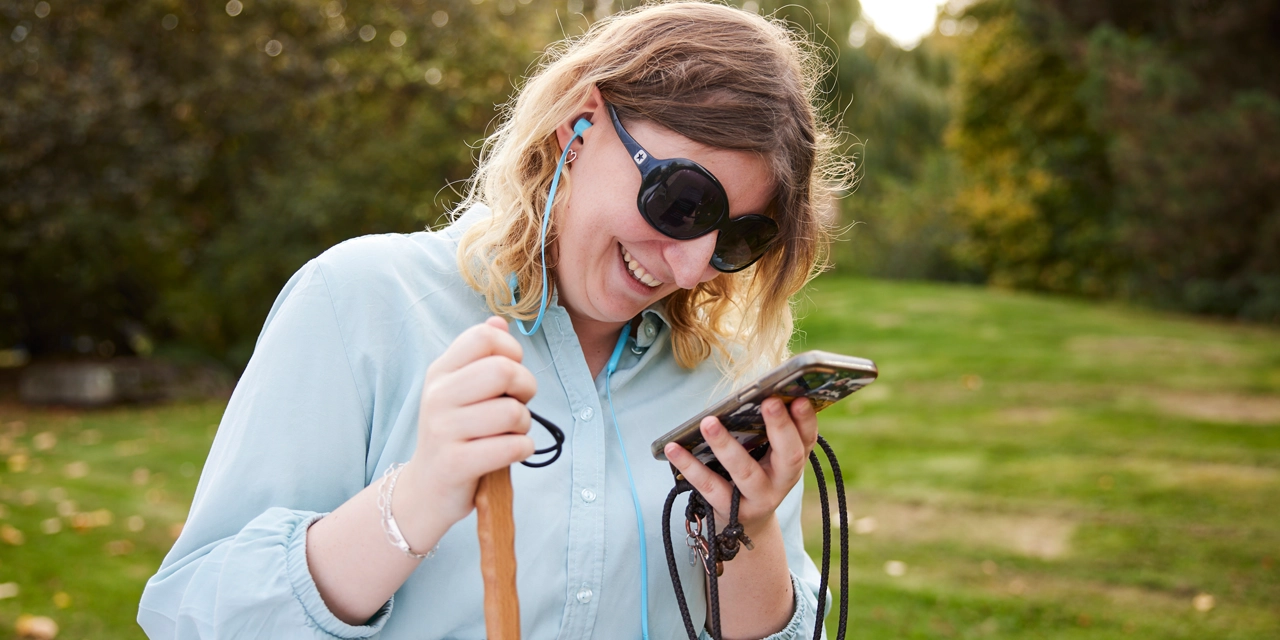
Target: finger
(751,478)
(483,455)
(787,451)
(806,419)
(486,419)
(715,489)
(489,338)
(488,377)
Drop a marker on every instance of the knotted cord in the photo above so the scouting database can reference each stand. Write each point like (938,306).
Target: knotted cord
(725,545)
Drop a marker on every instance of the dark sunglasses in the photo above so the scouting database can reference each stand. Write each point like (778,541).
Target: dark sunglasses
(681,199)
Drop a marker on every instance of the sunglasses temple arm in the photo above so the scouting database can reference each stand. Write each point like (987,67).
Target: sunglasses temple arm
(639,156)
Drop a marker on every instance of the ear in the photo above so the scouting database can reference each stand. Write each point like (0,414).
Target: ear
(592,110)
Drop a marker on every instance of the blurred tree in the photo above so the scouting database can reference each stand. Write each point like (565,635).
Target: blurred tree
(168,164)
(1127,148)
(893,105)
(899,103)
(1036,200)
(1188,94)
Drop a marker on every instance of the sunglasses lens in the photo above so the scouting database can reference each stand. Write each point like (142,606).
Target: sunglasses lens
(742,242)
(682,203)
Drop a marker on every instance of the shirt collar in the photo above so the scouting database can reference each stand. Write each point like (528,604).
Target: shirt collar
(652,320)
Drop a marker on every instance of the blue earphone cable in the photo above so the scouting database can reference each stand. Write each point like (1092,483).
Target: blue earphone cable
(635,495)
(512,283)
(578,128)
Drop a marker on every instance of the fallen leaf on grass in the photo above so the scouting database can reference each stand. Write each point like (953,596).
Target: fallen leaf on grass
(67,508)
(127,448)
(77,469)
(8,590)
(92,519)
(18,463)
(11,535)
(36,627)
(864,525)
(90,437)
(1203,602)
(135,523)
(51,526)
(28,497)
(141,475)
(61,600)
(119,547)
(57,494)
(44,441)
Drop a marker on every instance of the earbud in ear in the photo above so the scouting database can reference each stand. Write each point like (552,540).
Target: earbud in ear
(581,126)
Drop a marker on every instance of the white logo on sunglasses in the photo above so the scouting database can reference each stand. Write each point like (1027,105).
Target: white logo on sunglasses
(640,157)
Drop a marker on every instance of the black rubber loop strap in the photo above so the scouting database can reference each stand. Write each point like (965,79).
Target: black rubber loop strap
(558,447)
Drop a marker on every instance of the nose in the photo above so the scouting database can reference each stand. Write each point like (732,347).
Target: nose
(690,260)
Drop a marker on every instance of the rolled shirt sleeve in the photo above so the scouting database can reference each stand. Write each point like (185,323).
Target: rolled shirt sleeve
(291,447)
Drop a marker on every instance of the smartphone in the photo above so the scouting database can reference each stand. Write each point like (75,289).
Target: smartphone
(824,378)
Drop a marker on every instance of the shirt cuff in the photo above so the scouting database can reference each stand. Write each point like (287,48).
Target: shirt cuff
(793,630)
(304,589)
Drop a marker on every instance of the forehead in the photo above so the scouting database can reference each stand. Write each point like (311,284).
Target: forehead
(745,175)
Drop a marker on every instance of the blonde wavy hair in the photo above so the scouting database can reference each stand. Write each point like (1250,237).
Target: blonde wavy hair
(716,75)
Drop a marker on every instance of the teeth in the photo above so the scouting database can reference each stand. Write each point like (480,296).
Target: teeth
(638,271)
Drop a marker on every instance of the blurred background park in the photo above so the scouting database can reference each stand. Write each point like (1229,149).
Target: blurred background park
(1063,251)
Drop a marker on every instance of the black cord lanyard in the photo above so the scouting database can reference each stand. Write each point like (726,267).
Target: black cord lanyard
(715,549)
(557,448)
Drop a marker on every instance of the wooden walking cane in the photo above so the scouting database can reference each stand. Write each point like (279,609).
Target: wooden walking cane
(497,531)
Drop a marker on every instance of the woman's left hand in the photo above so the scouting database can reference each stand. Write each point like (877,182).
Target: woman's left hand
(764,483)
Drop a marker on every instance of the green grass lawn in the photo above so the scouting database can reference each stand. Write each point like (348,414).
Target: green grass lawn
(1050,468)
(1032,468)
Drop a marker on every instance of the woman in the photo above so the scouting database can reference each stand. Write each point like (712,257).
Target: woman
(382,386)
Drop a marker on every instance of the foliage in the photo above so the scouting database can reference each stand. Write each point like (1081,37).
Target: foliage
(1190,101)
(1035,203)
(1127,149)
(169,164)
(893,106)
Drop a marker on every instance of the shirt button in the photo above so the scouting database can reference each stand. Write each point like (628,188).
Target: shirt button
(587,414)
(584,594)
(588,495)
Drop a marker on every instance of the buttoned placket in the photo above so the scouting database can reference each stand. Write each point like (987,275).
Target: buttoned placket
(585,567)
(587,534)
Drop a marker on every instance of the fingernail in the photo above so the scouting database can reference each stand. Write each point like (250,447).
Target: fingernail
(710,427)
(774,407)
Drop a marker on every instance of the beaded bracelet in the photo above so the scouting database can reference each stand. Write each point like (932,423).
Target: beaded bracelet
(389,526)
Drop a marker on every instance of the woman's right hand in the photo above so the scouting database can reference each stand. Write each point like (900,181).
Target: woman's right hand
(472,420)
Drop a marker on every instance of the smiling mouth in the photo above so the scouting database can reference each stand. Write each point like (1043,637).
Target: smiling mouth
(638,271)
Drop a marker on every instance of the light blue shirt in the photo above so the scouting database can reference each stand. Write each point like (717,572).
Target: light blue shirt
(330,400)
